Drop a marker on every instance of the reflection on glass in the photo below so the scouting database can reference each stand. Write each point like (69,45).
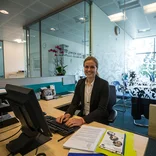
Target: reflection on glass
(65,41)
(1,60)
(34,51)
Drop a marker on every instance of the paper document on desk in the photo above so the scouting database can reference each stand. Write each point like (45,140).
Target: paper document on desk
(86,138)
(114,142)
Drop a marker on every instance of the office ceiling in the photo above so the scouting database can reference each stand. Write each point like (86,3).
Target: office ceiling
(22,12)
(136,18)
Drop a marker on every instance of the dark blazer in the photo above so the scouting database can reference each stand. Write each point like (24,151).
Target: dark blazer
(98,103)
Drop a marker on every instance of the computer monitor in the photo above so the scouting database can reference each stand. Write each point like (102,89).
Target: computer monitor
(26,108)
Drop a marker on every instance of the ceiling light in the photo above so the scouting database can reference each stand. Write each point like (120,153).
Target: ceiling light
(143,30)
(0,47)
(117,17)
(19,41)
(4,12)
(82,19)
(150,8)
(54,29)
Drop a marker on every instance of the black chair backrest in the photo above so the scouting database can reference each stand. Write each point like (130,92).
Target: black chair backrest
(112,97)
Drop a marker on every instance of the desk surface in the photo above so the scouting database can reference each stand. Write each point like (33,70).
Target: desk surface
(54,148)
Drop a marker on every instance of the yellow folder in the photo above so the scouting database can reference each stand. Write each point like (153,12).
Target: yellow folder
(129,145)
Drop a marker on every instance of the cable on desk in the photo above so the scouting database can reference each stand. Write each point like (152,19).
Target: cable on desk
(10,129)
(39,154)
(11,136)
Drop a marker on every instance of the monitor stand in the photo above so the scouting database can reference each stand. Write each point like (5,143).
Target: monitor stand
(24,144)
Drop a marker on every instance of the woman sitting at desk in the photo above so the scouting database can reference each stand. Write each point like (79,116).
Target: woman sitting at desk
(93,94)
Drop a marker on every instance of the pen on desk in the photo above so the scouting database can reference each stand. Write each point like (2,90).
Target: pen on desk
(61,138)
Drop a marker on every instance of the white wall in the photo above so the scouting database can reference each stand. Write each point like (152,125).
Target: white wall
(108,48)
(14,57)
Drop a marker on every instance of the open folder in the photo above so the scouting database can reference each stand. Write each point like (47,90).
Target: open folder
(89,138)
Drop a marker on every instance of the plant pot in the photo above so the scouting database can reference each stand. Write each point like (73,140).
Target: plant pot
(60,74)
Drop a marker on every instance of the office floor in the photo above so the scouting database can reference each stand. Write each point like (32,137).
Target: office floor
(124,121)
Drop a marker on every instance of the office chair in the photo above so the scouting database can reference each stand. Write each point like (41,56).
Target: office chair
(112,100)
(121,94)
(111,103)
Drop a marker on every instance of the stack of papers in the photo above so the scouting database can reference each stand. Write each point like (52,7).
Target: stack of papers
(86,138)
(96,140)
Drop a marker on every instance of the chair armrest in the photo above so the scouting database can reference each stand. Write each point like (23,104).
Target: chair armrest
(112,116)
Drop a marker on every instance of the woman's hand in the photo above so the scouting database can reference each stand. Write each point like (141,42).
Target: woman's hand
(63,118)
(75,122)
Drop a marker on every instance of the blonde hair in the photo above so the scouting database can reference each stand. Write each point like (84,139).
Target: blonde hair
(93,59)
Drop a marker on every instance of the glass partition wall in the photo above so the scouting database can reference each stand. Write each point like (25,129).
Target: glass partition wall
(1,60)
(59,43)
(123,40)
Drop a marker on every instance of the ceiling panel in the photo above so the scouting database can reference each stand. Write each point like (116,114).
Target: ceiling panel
(24,2)
(72,12)
(60,17)
(41,8)
(50,22)
(103,2)
(33,15)
(137,17)
(10,6)
(55,4)
(112,9)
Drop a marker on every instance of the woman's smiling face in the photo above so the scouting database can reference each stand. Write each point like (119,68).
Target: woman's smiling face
(90,69)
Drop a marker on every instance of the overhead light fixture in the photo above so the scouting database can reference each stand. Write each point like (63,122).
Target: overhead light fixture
(4,12)
(117,17)
(54,29)
(19,41)
(80,19)
(150,8)
(143,30)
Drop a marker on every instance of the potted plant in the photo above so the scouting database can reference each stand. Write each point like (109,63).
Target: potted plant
(58,60)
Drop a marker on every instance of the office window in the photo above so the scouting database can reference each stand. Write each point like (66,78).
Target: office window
(1,60)
(34,68)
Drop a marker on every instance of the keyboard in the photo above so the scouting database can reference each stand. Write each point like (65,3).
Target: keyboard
(61,129)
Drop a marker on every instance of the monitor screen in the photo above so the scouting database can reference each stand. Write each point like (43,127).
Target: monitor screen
(26,108)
